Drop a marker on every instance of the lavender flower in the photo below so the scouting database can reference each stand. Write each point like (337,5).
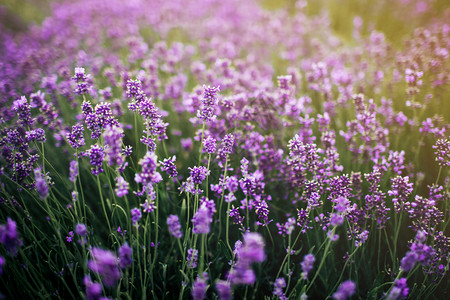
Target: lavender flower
(201,220)
(149,175)
(401,189)
(209,102)
(81,230)
(23,110)
(199,289)
(96,156)
(9,236)
(104,262)
(122,186)
(192,256)
(198,174)
(113,145)
(223,288)
(279,285)
(399,291)
(125,256)
(37,135)
(345,290)
(442,152)
(82,81)
(148,206)
(209,145)
(174,226)
(251,251)
(2,263)
(93,289)
(134,88)
(75,137)
(226,146)
(136,214)
(41,183)
(73,170)
(307,265)
(168,165)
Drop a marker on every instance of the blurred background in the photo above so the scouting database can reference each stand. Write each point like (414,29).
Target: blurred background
(395,18)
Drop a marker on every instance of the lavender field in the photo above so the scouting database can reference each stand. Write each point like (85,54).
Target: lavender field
(205,149)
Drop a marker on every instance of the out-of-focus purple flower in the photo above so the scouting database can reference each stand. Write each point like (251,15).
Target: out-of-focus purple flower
(73,170)
(81,230)
(174,226)
(345,290)
(125,256)
(198,174)
(250,252)
(336,219)
(202,220)
(104,262)
(208,103)
(113,145)
(192,256)
(307,265)
(279,285)
(408,261)
(186,144)
(168,165)
(223,288)
(41,183)
(199,289)
(122,186)
(9,236)
(2,263)
(93,289)
(136,214)
(399,291)
(332,236)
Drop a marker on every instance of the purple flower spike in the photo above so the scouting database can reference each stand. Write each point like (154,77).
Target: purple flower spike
(125,256)
(73,170)
(136,215)
(104,262)
(199,289)
(9,237)
(223,288)
(209,102)
(201,220)
(199,174)
(345,290)
(174,226)
(307,265)
(399,291)
(41,184)
(81,230)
